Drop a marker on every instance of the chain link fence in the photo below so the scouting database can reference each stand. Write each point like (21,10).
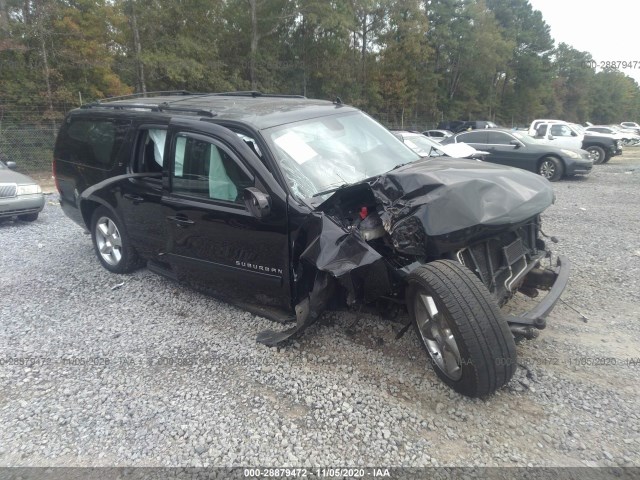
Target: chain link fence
(28,135)
(30,146)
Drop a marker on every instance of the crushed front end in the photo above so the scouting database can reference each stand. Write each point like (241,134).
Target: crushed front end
(518,260)
(365,240)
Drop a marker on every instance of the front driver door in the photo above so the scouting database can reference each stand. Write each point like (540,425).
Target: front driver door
(212,236)
(505,149)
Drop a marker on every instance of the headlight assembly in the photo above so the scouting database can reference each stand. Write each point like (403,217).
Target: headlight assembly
(32,189)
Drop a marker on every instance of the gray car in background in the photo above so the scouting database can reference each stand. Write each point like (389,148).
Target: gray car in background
(20,196)
(515,149)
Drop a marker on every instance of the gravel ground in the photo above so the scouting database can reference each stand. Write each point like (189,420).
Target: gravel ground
(151,373)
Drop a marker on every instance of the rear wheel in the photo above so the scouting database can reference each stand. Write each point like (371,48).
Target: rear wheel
(461,328)
(111,243)
(551,168)
(597,153)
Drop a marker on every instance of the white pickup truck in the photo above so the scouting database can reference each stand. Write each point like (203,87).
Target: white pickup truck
(570,135)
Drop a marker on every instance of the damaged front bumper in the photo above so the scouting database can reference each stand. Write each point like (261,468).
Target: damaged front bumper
(555,281)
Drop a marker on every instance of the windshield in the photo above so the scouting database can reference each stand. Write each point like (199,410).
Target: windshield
(578,128)
(524,138)
(327,152)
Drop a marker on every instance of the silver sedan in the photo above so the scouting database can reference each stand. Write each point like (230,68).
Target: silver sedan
(20,196)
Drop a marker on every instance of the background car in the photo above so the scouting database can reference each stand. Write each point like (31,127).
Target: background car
(519,150)
(20,196)
(427,147)
(475,125)
(627,138)
(601,146)
(632,125)
(437,135)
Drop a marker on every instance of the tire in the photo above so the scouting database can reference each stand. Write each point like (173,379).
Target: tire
(607,158)
(598,154)
(111,243)
(551,168)
(28,217)
(477,350)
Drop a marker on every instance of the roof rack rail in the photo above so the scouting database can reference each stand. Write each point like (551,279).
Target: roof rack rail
(146,94)
(254,94)
(154,108)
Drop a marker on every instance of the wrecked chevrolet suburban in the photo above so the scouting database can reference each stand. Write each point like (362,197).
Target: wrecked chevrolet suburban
(288,206)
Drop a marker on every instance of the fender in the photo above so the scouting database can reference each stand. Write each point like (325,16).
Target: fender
(90,193)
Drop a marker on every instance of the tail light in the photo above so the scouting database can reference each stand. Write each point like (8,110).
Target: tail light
(55,176)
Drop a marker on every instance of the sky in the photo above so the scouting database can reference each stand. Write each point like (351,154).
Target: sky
(608,30)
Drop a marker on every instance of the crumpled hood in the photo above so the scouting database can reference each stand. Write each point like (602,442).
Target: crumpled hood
(428,198)
(447,195)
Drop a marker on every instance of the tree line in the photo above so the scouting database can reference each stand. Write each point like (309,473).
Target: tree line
(406,62)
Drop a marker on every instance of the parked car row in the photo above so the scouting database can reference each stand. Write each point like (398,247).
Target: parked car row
(626,136)
(552,148)
(519,150)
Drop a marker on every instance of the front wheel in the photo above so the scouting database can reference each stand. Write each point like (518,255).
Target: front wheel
(111,243)
(461,328)
(551,168)
(597,153)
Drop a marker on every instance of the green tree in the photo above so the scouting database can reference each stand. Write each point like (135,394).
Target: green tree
(528,81)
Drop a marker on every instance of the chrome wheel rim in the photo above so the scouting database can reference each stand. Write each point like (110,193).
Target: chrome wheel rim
(595,155)
(109,241)
(547,169)
(437,336)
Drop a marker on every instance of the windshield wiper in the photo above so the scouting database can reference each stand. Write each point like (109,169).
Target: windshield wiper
(331,190)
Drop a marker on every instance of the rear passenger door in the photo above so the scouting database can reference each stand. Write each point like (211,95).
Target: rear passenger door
(476,138)
(212,236)
(141,193)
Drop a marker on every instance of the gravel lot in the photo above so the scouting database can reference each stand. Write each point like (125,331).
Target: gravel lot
(151,373)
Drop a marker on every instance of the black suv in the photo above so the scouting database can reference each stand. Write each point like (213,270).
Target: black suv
(288,206)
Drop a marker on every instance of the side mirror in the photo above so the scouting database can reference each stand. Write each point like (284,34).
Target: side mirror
(574,134)
(257,202)
(11,165)
(515,143)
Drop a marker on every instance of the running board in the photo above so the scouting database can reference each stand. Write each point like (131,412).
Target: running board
(163,269)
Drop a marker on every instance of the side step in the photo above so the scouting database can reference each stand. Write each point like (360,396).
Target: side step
(163,269)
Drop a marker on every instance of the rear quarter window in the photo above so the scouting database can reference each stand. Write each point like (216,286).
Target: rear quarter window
(92,142)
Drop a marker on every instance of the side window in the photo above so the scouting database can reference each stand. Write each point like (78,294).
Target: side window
(560,131)
(204,169)
(499,138)
(92,142)
(149,150)
(473,137)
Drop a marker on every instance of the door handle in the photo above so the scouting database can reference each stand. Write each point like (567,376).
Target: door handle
(133,198)
(181,220)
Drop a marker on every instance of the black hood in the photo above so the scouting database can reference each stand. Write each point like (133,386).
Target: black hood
(448,194)
(447,201)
